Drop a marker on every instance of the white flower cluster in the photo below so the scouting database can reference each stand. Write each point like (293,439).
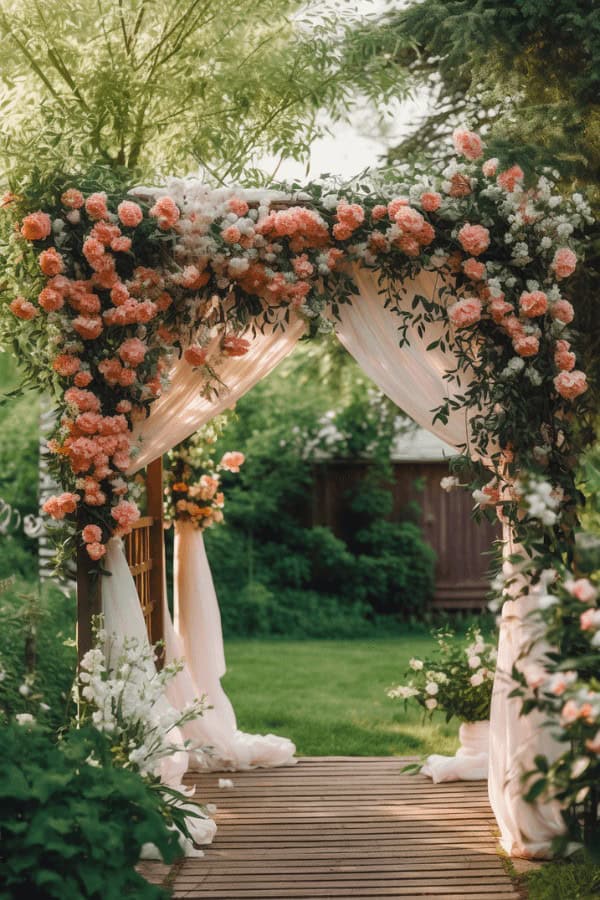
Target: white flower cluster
(542,502)
(127,702)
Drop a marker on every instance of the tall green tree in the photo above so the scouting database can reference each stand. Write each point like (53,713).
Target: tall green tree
(173,85)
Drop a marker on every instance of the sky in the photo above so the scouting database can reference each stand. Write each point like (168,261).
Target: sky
(350,148)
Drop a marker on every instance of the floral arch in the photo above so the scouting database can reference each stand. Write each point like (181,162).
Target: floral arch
(148,311)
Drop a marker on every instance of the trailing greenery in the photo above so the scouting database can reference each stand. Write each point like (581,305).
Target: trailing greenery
(73,824)
(574,879)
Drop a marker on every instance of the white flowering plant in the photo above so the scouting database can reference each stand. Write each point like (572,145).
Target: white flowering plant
(456,681)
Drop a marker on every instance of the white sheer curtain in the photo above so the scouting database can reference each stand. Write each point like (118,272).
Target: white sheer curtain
(412,377)
(199,641)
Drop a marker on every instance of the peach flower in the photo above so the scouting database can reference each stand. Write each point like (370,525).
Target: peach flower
(571,384)
(62,505)
(238,206)
(166,211)
(235,346)
(499,308)
(564,359)
(50,300)
(96,550)
(132,351)
(534,303)
(465,312)
(130,213)
(510,178)
(526,345)
(583,590)
(231,235)
(232,461)
(72,199)
(409,220)
(590,619)
(91,534)
(82,379)
(395,205)
(125,514)
(490,167)
(36,227)
(467,143)
(431,201)
(379,212)
(95,206)
(564,262)
(83,400)
(66,365)
(195,355)
(563,311)
(23,309)
(121,244)
(474,239)
(51,262)
(88,327)
(474,269)
(460,185)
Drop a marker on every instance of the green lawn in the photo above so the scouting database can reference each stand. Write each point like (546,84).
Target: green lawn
(329,696)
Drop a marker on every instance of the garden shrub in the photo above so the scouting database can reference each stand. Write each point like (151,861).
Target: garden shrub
(37,647)
(72,824)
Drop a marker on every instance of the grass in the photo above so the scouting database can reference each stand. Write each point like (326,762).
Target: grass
(577,880)
(329,696)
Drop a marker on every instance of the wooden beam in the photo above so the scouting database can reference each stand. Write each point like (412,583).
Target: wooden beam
(89,602)
(154,494)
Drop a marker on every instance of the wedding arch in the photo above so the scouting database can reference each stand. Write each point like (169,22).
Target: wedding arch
(148,311)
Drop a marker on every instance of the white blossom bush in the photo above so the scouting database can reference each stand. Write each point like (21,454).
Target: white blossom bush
(456,681)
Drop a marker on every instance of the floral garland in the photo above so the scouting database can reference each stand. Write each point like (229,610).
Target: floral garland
(193,479)
(106,290)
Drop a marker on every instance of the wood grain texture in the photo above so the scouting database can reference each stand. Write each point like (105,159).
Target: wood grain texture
(343,827)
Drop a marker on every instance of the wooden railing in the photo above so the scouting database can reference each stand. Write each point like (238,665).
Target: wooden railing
(144,549)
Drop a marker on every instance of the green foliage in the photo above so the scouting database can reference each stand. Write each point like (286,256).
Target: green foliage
(167,87)
(73,825)
(277,574)
(576,879)
(37,649)
(526,74)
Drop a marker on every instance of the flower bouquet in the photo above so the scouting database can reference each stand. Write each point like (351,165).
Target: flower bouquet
(193,486)
(458,682)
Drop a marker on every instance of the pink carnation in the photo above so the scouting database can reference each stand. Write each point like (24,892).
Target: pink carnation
(490,167)
(23,309)
(460,185)
(231,235)
(89,327)
(510,178)
(88,422)
(379,212)
(563,311)
(121,244)
(95,206)
(302,266)
(474,239)
(350,214)
(590,620)
(66,365)
(467,143)
(564,359)
(125,514)
(91,534)
(36,227)
(571,384)
(51,262)
(195,355)
(409,220)
(409,245)
(564,262)
(62,505)
(526,345)
(474,269)
(72,199)
(83,400)
(238,206)
(96,550)
(232,461)
(534,303)
(583,590)
(166,211)
(132,351)
(50,300)
(431,201)
(465,312)
(499,308)
(130,213)
(394,206)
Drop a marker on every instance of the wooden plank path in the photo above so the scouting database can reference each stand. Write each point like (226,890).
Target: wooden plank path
(344,827)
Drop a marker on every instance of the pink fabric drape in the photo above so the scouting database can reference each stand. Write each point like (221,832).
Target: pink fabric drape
(413,377)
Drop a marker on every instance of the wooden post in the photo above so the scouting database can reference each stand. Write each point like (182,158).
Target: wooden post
(154,494)
(89,603)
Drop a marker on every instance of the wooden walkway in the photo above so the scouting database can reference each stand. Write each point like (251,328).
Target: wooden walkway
(344,827)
